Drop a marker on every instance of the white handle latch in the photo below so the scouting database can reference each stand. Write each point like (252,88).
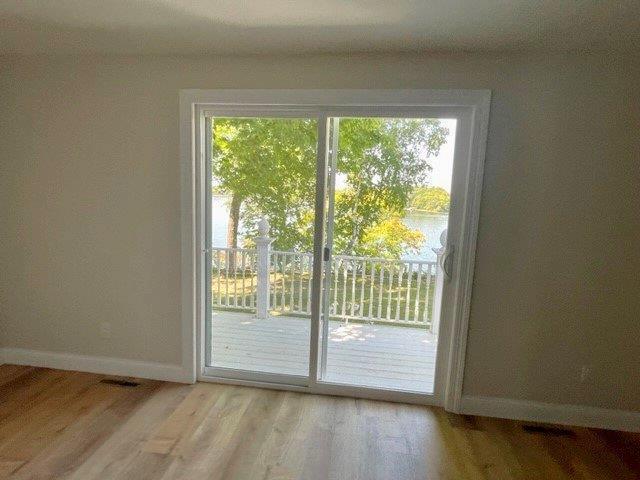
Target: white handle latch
(446,261)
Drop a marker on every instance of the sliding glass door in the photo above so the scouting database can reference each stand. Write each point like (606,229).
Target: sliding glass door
(388,204)
(326,235)
(262,183)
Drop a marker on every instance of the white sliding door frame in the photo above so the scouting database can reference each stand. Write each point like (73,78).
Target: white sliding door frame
(471,110)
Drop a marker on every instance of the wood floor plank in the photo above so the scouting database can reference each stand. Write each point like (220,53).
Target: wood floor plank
(125,446)
(69,425)
(10,372)
(99,414)
(55,410)
(187,417)
(26,390)
(205,453)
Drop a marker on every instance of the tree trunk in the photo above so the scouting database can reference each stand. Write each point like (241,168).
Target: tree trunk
(232,228)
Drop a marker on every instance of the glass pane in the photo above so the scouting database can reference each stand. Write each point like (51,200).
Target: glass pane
(262,212)
(391,202)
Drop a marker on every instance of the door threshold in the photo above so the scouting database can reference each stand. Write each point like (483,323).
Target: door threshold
(330,389)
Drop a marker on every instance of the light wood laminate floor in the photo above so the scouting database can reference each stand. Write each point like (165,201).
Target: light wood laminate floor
(71,425)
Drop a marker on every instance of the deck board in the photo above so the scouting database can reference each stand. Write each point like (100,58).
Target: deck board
(370,355)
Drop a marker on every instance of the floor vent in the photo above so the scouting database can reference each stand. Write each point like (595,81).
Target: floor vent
(554,431)
(120,383)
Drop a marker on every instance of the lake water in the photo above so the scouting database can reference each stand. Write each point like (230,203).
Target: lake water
(431,225)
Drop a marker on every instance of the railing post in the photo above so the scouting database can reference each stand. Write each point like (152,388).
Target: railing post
(263,248)
(437,294)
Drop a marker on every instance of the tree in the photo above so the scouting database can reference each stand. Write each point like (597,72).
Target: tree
(383,160)
(430,199)
(268,168)
(390,238)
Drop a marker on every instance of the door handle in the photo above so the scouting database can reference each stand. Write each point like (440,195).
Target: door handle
(446,261)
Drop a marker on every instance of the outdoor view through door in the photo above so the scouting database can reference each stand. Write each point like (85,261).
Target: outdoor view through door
(263,185)
(386,216)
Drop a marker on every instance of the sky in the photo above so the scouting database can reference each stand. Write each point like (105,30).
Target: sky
(443,163)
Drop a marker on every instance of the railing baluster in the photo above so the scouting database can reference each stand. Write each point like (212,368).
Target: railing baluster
(408,298)
(416,313)
(335,271)
(344,288)
(284,282)
(299,309)
(213,279)
(242,273)
(251,292)
(400,275)
(426,297)
(309,275)
(290,265)
(226,278)
(285,263)
(390,293)
(380,290)
(292,270)
(353,287)
(363,277)
(273,283)
(372,277)
(283,299)
(276,287)
(235,279)
(219,279)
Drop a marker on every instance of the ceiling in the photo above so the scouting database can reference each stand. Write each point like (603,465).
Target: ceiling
(301,26)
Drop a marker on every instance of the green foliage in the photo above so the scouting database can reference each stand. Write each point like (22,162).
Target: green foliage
(389,238)
(383,160)
(269,165)
(430,199)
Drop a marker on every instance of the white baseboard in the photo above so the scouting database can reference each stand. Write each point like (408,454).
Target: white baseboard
(103,365)
(575,415)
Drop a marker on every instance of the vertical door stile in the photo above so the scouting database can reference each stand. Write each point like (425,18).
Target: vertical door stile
(208,241)
(309,275)
(331,146)
(317,311)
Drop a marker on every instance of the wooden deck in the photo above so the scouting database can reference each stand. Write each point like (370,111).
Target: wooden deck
(382,356)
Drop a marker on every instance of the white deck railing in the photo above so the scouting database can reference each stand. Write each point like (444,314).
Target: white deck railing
(268,281)
(361,288)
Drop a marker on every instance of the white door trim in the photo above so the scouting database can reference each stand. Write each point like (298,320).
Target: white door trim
(470,105)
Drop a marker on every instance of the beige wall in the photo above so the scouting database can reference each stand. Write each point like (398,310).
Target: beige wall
(90,216)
